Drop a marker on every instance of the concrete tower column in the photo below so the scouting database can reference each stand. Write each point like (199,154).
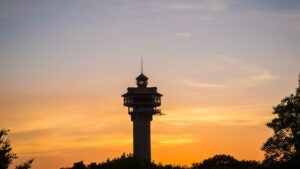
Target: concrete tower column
(141,138)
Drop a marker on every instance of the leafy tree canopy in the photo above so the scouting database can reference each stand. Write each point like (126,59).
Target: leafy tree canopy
(226,162)
(6,154)
(284,145)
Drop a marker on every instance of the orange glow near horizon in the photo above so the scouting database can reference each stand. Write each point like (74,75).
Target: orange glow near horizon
(183,136)
(72,124)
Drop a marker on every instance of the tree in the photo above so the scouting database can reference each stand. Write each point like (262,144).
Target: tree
(220,161)
(225,162)
(79,165)
(25,165)
(284,146)
(6,154)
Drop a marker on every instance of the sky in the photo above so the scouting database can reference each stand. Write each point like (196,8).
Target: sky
(220,64)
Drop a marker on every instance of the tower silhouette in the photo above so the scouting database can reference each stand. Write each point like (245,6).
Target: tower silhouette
(142,103)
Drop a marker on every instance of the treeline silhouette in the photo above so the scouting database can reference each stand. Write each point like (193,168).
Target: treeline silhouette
(129,162)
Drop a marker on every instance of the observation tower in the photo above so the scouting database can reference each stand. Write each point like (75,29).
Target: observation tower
(142,103)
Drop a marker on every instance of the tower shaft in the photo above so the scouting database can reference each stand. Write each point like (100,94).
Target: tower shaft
(141,138)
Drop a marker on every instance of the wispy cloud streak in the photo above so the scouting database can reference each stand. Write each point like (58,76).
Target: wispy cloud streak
(253,74)
(205,5)
(183,34)
(242,74)
(203,85)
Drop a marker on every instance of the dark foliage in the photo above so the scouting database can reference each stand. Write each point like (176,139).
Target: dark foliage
(225,162)
(6,154)
(282,150)
(129,162)
(123,162)
(25,165)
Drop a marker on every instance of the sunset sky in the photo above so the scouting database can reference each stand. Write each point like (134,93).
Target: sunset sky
(221,66)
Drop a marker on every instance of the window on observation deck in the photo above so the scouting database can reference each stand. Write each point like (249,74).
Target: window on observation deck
(157,100)
(141,83)
(130,109)
(128,100)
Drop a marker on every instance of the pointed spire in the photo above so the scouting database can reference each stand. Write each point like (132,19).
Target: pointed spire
(141,64)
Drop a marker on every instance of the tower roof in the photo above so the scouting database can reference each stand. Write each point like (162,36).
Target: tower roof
(141,91)
(141,77)
(141,88)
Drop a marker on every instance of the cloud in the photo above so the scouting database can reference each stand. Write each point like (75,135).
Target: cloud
(203,85)
(263,76)
(233,72)
(253,74)
(181,7)
(204,5)
(170,140)
(183,34)
(51,141)
(243,115)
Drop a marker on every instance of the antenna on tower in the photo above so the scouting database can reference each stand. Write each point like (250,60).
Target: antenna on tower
(142,64)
